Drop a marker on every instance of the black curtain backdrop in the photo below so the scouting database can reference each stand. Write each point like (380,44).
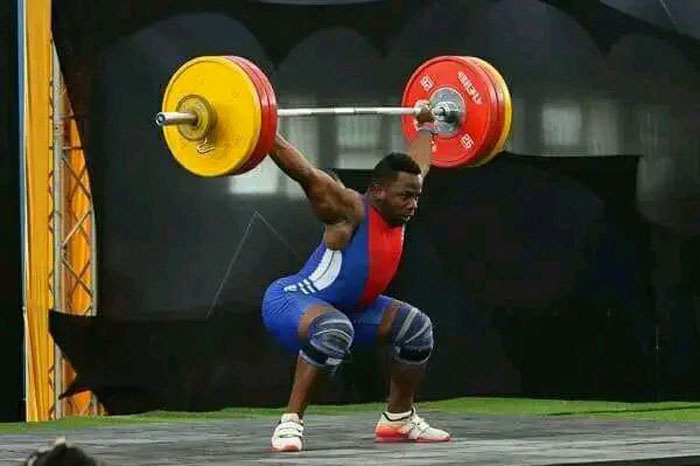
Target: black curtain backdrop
(539,294)
(11,390)
(559,269)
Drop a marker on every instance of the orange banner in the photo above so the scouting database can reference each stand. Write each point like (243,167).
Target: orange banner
(37,142)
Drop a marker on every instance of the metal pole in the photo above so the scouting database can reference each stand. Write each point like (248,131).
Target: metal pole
(56,85)
(93,284)
(23,213)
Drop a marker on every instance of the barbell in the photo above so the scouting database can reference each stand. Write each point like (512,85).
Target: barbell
(219,114)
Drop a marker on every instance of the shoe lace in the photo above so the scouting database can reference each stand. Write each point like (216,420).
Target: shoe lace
(419,423)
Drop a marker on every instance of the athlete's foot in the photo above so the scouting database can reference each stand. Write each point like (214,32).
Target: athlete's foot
(289,434)
(409,428)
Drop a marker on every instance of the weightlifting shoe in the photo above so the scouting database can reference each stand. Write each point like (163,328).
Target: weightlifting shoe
(289,434)
(410,428)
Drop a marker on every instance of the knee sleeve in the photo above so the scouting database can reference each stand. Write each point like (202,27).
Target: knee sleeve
(328,341)
(412,336)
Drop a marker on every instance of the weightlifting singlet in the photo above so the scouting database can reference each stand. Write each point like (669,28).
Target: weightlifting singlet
(351,280)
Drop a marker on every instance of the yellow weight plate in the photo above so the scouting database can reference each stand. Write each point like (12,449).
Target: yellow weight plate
(500,144)
(230,92)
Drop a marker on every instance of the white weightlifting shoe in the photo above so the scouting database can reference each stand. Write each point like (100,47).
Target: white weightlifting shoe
(289,434)
(411,428)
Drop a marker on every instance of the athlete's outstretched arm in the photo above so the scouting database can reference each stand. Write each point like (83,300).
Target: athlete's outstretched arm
(421,148)
(330,200)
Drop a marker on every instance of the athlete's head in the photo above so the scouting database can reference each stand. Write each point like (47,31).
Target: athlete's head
(395,186)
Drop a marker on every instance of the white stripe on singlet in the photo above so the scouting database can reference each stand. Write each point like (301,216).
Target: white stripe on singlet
(323,276)
(327,269)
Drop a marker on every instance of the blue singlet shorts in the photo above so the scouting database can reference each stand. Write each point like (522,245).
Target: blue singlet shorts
(283,310)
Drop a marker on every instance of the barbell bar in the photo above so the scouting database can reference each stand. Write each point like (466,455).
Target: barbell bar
(440,113)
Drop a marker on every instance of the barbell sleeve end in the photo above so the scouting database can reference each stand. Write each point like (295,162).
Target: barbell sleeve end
(175,118)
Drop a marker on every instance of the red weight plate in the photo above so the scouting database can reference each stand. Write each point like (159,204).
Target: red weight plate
(500,120)
(479,98)
(257,155)
(269,139)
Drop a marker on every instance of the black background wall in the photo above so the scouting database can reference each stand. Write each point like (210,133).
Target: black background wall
(10,290)
(541,294)
(562,268)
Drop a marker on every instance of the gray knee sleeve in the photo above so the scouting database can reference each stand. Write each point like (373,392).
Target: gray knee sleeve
(328,341)
(411,335)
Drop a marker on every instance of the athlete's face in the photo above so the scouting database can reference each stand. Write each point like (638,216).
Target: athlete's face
(398,199)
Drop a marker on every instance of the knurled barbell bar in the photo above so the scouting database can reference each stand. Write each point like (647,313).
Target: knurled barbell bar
(442,111)
(219,114)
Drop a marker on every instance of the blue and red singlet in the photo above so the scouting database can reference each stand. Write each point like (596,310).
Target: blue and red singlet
(350,280)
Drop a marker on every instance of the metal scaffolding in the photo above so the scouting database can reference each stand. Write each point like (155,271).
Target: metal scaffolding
(72,225)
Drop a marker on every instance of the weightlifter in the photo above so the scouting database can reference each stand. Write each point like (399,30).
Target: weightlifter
(334,303)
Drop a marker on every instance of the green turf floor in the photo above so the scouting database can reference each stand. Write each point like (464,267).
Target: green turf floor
(664,411)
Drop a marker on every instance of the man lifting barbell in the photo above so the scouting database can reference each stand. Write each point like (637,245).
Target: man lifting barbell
(335,303)
(456,111)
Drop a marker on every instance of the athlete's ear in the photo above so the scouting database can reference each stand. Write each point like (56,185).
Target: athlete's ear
(377,190)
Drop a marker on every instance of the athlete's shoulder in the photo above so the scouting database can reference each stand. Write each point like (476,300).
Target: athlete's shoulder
(358,206)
